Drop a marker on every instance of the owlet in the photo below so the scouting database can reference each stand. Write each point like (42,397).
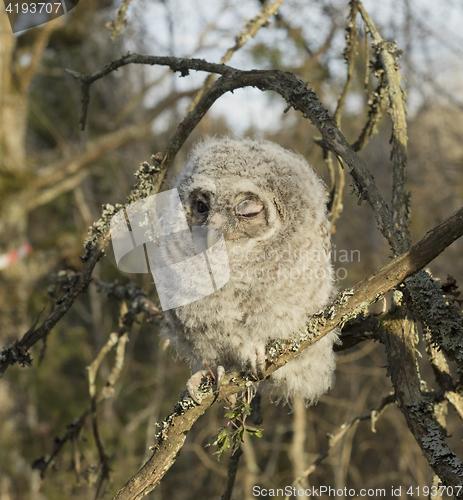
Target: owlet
(270,207)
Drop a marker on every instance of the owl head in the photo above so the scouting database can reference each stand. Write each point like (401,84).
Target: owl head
(255,192)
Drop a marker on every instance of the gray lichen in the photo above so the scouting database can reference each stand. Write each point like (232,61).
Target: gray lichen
(15,354)
(146,176)
(184,404)
(442,318)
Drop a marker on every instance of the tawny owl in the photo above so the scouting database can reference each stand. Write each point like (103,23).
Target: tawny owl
(270,207)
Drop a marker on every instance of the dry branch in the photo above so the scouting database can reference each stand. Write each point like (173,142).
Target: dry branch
(340,432)
(291,88)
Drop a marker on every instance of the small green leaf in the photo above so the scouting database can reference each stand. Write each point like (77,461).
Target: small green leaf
(253,431)
(237,438)
(222,441)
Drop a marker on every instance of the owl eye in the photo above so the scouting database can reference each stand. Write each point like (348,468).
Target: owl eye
(248,209)
(202,207)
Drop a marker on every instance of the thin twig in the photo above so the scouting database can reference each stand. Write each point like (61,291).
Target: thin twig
(340,432)
(337,178)
(118,24)
(249,31)
(349,55)
(120,342)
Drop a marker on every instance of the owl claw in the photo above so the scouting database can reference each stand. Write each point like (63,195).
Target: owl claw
(196,379)
(257,361)
(193,384)
(220,376)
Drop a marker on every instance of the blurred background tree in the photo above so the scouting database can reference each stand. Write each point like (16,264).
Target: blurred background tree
(54,178)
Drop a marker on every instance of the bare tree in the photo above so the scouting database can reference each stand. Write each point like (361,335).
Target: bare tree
(417,299)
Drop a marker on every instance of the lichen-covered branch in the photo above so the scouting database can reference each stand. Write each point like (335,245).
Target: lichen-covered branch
(346,306)
(400,337)
(292,89)
(387,55)
(443,320)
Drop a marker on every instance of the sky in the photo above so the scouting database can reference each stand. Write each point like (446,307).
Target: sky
(434,44)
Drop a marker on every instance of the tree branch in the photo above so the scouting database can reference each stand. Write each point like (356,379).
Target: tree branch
(292,89)
(387,55)
(400,337)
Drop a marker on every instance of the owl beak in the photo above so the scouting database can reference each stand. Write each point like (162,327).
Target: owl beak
(213,236)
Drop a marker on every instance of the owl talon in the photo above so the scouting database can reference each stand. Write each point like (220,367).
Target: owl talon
(258,361)
(197,378)
(193,384)
(220,376)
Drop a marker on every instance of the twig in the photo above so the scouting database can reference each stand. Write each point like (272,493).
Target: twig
(118,24)
(335,205)
(113,340)
(340,432)
(376,102)
(74,429)
(249,31)
(337,180)
(349,56)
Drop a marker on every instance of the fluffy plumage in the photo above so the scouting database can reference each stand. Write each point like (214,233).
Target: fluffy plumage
(270,206)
